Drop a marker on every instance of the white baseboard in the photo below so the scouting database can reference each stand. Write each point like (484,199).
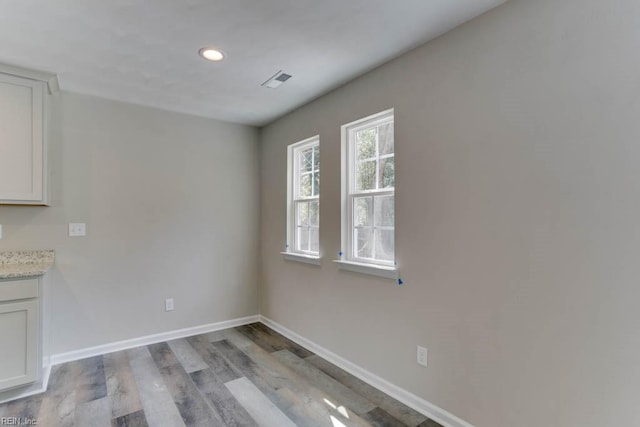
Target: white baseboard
(29,390)
(411,400)
(10,395)
(46,374)
(98,350)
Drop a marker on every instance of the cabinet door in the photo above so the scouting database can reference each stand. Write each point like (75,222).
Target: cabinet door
(18,343)
(22,145)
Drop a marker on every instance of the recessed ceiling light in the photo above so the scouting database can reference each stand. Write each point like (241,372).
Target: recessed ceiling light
(211,54)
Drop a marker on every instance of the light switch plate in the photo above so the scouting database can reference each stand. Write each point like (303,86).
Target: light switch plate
(0,231)
(422,356)
(77,229)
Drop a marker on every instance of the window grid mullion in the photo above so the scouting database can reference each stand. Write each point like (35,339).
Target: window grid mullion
(385,192)
(313,182)
(352,249)
(298,244)
(373,226)
(377,159)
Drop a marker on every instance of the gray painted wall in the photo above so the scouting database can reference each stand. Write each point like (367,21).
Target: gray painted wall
(518,201)
(171,205)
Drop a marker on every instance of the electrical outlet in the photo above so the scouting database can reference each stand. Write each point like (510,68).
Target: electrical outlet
(77,229)
(422,356)
(168,304)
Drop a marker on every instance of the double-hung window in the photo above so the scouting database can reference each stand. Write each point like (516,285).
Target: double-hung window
(369,191)
(303,213)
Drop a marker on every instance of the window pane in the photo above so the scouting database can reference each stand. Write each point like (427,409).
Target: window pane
(370,157)
(316,183)
(385,139)
(314,213)
(363,211)
(314,240)
(316,157)
(384,211)
(366,176)
(305,185)
(387,173)
(306,161)
(303,164)
(363,242)
(384,245)
(303,239)
(303,213)
(366,144)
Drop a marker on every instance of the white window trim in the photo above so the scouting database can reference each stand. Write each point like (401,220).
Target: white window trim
(387,272)
(307,259)
(349,262)
(291,254)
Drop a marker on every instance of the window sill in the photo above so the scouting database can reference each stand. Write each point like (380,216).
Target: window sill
(370,269)
(308,259)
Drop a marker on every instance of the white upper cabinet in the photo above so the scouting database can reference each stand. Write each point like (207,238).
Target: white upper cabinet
(23,139)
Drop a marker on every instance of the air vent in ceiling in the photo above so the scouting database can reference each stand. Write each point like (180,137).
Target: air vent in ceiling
(276,80)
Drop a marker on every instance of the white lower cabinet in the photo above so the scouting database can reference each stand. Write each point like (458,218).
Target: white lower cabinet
(19,333)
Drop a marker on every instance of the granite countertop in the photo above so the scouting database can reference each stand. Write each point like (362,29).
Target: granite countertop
(20,264)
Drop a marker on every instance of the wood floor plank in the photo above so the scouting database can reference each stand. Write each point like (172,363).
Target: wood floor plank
(430,423)
(162,355)
(271,340)
(263,411)
(268,384)
(58,410)
(157,402)
(279,341)
(62,378)
(121,385)
(312,402)
(302,410)
(220,398)
(24,409)
(344,396)
(300,400)
(193,407)
(58,404)
(91,383)
(380,418)
(258,339)
(241,363)
(214,360)
(218,335)
(397,409)
(135,419)
(94,413)
(189,358)
(296,408)
(234,336)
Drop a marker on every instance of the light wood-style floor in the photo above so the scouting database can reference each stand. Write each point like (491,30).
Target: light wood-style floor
(246,376)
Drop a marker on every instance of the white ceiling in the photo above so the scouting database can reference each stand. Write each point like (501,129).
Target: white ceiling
(146,52)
